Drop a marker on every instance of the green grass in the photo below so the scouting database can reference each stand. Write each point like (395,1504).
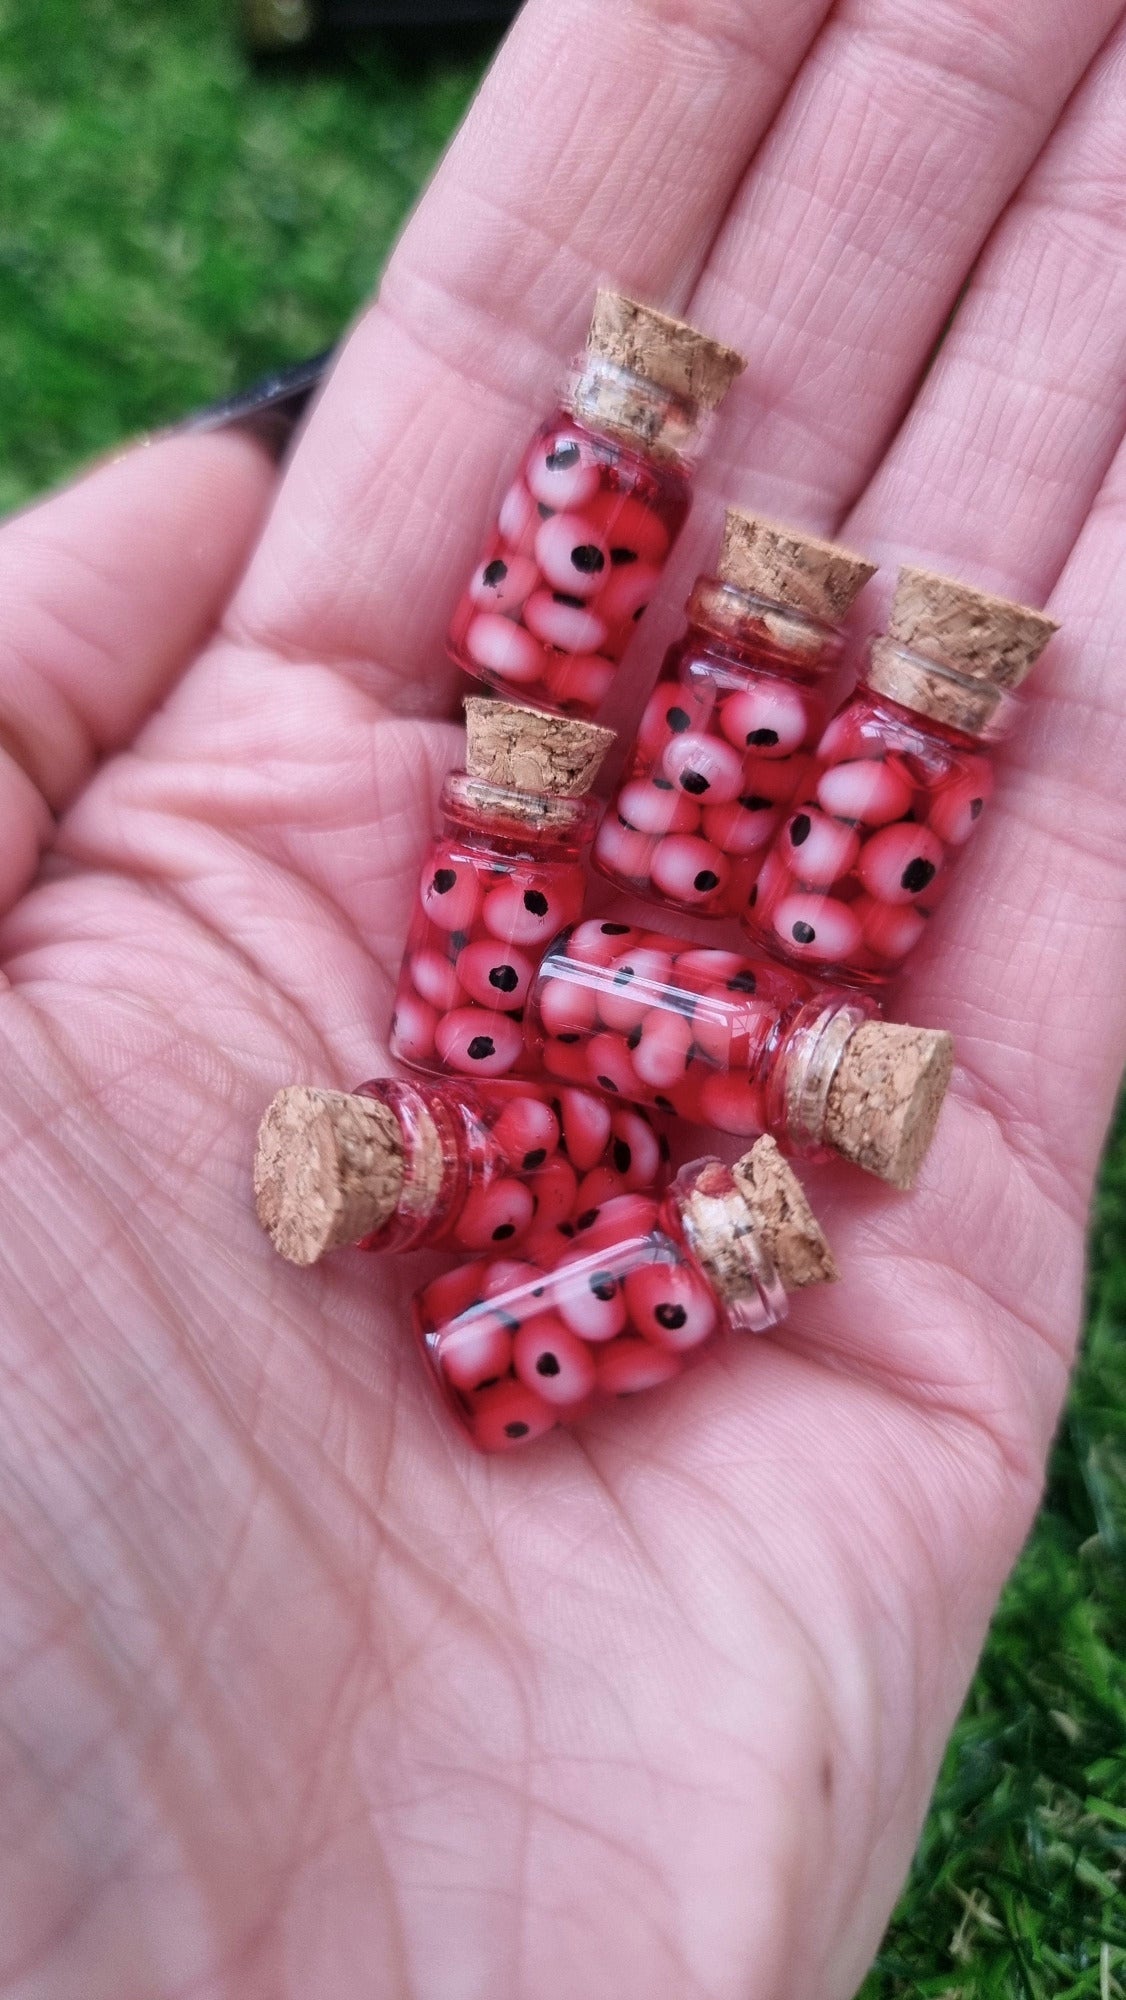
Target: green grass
(173,223)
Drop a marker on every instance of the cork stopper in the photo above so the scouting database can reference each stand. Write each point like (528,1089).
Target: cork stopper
(983,638)
(787,566)
(524,750)
(668,352)
(885,1098)
(328,1170)
(786,1223)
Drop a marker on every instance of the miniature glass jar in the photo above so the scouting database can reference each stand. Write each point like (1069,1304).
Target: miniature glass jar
(476,1167)
(725,741)
(900,779)
(516,1348)
(599,499)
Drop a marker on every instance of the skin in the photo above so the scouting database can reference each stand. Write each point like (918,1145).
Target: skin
(296,1696)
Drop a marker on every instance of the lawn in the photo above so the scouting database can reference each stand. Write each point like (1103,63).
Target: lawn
(174,222)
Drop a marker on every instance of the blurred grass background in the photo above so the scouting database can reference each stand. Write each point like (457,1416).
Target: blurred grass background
(175,221)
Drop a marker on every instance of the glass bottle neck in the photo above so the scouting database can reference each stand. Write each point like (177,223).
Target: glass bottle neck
(554,829)
(721,1235)
(762,632)
(634,411)
(806,1065)
(931,689)
(432,1121)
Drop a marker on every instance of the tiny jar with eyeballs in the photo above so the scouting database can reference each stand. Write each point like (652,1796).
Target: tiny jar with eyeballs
(724,744)
(598,501)
(487,1167)
(517,1349)
(901,777)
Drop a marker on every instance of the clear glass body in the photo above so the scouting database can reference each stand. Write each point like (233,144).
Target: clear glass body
(865,855)
(722,751)
(517,1348)
(742,1044)
(493,892)
(512,1166)
(573,559)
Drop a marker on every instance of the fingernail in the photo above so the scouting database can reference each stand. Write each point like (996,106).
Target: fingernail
(269,410)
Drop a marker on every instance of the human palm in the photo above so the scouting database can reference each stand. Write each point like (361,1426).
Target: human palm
(298,1696)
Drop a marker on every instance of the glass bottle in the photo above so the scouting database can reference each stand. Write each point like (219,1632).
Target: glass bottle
(598,501)
(517,1348)
(725,741)
(504,876)
(398,1166)
(900,779)
(745,1045)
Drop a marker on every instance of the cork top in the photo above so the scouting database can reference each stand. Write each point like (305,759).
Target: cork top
(787,566)
(524,750)
(885,1098)
(666,351)
(785,1221)
(985,639)
(328,1170)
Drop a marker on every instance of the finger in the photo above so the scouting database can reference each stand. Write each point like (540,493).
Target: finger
(108,587)
(608,139)
(1015,437)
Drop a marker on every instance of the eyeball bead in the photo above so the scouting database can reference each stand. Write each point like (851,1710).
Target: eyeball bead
(633,533)
(742,827)
(958,805)
(868,790)
(474,1351)
(890,930)
(476,1042)
(499,646)
(579,682)
(587,1124)
(609,1067)
(550,1360)
(818,850)
(622,854)
(709,770)
(507,1416)
(669,711)
(558,621)
(504,583)
(566,1009)
(495,975)
(587,1296)
(670,1306)
(657,808)
(561,471)
(733,1104)
(626,1218)
(527,1133)
(435,979)
(689,871)
(899,863)
(529,911)
(768,718)
(453,1293)
(635,1149)
(600,942)
(572,557)
(598,1187)
(450,893)
(500,1213)
(818,927)
(624,599)
(413,1025)
(628,1365)
(518,522)
(624,1004)
(661,1055)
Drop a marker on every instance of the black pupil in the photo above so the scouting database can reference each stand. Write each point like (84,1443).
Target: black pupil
(706,880)
(444,880)
(496,573)
(753,804)
(975,807)
(565,597)
(743,982)
(588,559)
(621,556)
(800,830)
(917,874)
(765,737)
(516,1430)
(503,1231)
(561,456)
(804,933)
(695,782)
(670,1317)
(614,930)
(535,1158)
(678,720)
(504,977)
(548,1364)
(480,1047)
(622,1156)
(603,1287)
(535,902)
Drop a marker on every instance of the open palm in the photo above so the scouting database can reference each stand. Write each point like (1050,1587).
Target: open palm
(298,1698)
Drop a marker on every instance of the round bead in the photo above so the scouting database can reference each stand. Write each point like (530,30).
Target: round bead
(476,1042)
(527,1132)
(495,975)
(740,828)
(670,1305)
(549,1359)
(709,770)
(505,649)
(566,1008)
(507,1416)
(890,930)
(627,1365)
(565,1060)
(657,808)
(572,556)
(844,737)
(669,711)
(867,790)
(475,1350)
(586,1127)
(600,1186)
(661,1055)
(632,532)
(504,583)
(530,910)
(445,1297)
(773,784)
(818,850)
(732,1104)
(813,926)
(555,1190)
(560,622)
(450,893)
(412,1029)
(608,1066)
(626,1218)
(899,863)
(500,1213)
(588,1299)
(768,718)
(622,854)
(635,1150)
(959,804)
(519,518)
(561,471)
(624,599)
(435,979)
(600,941)
(580,682)
(624,1003)
(689,871)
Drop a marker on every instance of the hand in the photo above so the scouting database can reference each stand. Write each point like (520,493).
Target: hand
(299,1698)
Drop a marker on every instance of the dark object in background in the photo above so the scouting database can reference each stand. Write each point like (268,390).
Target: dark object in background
(270,409)
(286,24)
